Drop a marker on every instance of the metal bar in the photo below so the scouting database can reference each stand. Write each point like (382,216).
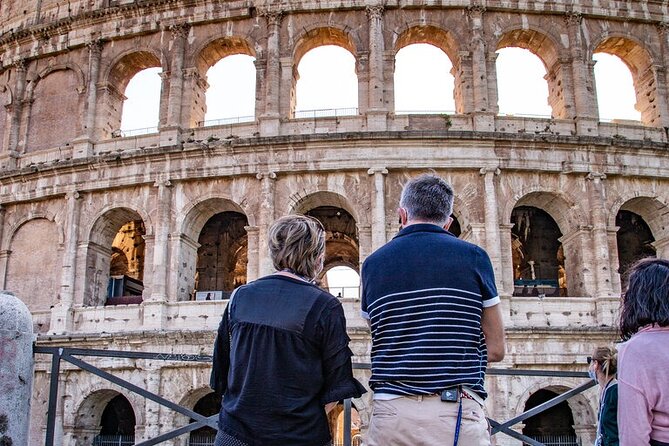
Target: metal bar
(545,406)
(511,433)
(143,392)
(175,433)
(126,354)
(347,422)
(53,397)
(524,372)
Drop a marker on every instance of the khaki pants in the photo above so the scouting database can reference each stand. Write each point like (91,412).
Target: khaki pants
(426,421)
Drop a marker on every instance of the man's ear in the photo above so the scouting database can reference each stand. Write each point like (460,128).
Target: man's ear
(403,216)
(449,221)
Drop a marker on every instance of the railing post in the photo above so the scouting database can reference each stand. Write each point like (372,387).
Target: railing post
(53,397)
(347,422)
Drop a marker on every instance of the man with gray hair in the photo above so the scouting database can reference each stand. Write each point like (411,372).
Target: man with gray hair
(435,320)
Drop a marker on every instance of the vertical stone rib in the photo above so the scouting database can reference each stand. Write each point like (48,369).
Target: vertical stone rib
(17,106)
(600,241)
(179,34)
(378,207)
(94,57)
(266,217)
(161,248)
(492,221)
(273,72)
(376,48)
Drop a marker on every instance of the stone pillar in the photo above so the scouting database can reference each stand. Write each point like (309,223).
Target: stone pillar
(577,249)
(152,421)
(597,205)
(179,35)
(484,119)
(253,261)
(61,314)
(161,242)
(376,109)
(507,259)
(269,119)
(614,260)
(16,370)
(16,109)
(94,57)
(559,77)
(266,217)
(378,207)
(194,98)
(4,258)
(662,87)
(583,87)
(364,242)
(492,242)
(662,248)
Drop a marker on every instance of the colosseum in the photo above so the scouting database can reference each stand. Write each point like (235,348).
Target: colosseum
(133,242)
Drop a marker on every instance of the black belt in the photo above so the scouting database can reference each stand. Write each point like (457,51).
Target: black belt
(658,443)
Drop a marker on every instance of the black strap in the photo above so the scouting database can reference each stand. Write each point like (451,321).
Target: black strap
(658,443)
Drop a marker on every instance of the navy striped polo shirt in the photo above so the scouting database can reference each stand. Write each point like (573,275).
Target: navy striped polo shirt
(423,293)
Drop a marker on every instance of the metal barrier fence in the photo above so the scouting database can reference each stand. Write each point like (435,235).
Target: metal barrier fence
(114,440)
(72,355)
(326,113)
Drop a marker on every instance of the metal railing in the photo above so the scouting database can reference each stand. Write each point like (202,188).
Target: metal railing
(72,356)
(326,113)
(201,440)
(134,132)
(226,121)
(114,440)
(345,291)
(425,112)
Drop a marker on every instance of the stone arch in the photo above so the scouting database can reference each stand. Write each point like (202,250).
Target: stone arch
(32,244)
(655,213)
(431,34)
(439,38)
(583,409)
(323,34)
(54,96)
(196,217)
(548,49)
(342,246)
(189,400)
(116,78)
(13,227)
(88,411)
(316,36)
(567,274)
(641,62)
(99,240)
(313,199)
(212,51)
(562,208)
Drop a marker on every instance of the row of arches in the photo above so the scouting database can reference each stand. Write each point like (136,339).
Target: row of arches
(109,416)
(39,99)
(213,253)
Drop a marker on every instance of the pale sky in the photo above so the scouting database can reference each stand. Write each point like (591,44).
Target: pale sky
(423,83)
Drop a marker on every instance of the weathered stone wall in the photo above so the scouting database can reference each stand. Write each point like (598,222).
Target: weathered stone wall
(67,185)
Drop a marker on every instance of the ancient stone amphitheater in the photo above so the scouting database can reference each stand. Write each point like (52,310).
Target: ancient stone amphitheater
(119,242)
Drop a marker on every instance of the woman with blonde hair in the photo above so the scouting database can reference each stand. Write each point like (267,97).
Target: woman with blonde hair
(281,356)
(602,367)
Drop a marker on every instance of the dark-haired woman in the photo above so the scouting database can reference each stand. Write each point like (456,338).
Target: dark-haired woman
(281,355)
(602,368)
(643,373)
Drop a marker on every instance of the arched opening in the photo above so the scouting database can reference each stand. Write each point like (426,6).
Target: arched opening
(55,101)
(538,256)
(326,83)
(115,259)
(554,426)
(521,92)
(222,256)
(616,98)
(342,282)
(341,240)
(231,77)
(35,244)
(634,238)
(126,266)
(424,80)
(141,108)
(640,66)
(337,428)
(127,109)
(208,405)
(117,424)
